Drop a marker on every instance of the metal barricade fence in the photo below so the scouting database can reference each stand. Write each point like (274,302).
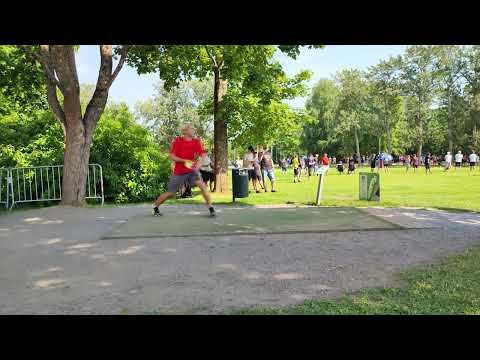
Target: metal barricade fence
(44,183)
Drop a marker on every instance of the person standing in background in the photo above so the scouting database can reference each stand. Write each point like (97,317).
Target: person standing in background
(311,165)
(473,160)
(427,163)
(249,164)
(448,161)
(296,169)
(259,170)
(284,165)
(407,162)
(415,162)
(268,169)
(458,160)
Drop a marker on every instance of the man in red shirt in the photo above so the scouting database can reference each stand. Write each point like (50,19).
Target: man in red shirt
(184,151)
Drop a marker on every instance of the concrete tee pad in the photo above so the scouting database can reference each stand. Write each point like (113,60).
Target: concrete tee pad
(177,223)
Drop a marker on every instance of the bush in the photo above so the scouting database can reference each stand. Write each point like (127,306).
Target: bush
(134,169)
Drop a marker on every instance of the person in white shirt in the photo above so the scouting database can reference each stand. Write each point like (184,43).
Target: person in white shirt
(458,159)
(448,161)
(206,171)
(473,159)
(248,163)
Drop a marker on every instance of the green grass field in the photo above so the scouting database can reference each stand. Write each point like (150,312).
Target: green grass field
(453,190)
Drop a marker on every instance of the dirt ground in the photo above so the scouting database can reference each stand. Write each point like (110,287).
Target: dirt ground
(53,261)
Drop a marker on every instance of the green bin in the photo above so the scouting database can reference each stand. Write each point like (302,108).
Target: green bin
(239,183)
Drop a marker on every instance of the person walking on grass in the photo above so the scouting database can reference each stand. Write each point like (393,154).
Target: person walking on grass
(427,161)
(316,164)
(206,172)
(340,167)
(302,165)
(284,166)
(473,159)
(448,161)
(351,166)
(296,169)
(415,162)
(458,160)
(259,164)
(185,152)
(311,165)
(268,169)
(249,163)
(373,161)
(407,161)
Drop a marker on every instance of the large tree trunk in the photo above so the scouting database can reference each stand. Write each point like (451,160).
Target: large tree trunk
(387,128)
(220,140)
(75,169)
(60,70)
(389,139)
(449,129)
(420,136)
(357,145)
(475,118)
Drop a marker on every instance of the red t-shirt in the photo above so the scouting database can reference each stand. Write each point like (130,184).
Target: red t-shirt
(185,149)
(324,160)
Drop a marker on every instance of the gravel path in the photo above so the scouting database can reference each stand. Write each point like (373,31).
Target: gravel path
(52,262)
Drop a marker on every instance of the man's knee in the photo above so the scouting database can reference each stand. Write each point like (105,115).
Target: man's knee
(201,185)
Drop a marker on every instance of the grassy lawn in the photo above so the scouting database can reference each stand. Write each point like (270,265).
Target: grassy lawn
(451,287)
(454,190)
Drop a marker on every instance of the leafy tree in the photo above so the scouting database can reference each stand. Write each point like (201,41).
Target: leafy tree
(419,79)
(471,73)
(60,75)
(385,96)
(134,168)
(449,67)
(22,86)
(351,112)
(168,110)
(228,64)
(318,130)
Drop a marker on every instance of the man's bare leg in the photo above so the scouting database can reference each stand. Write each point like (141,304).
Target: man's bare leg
(162,198)
(206,196)
(254,181)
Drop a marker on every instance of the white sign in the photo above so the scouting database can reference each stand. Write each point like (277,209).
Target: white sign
(322,172)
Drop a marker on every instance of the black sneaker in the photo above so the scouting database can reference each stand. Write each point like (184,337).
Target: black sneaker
(212,211)
(156,212)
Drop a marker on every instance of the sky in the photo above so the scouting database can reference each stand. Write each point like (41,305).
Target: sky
(130,87)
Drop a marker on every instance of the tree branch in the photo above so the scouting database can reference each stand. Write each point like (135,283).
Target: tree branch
(44,59)
(55,104)
(123,52)
(51,82)
(211,57)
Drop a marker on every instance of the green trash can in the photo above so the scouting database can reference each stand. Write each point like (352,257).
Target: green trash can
(239,183)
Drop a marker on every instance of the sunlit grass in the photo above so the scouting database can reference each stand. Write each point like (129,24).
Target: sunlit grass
(454,190)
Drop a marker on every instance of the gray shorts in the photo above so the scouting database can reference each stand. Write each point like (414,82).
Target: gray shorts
(176,181)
